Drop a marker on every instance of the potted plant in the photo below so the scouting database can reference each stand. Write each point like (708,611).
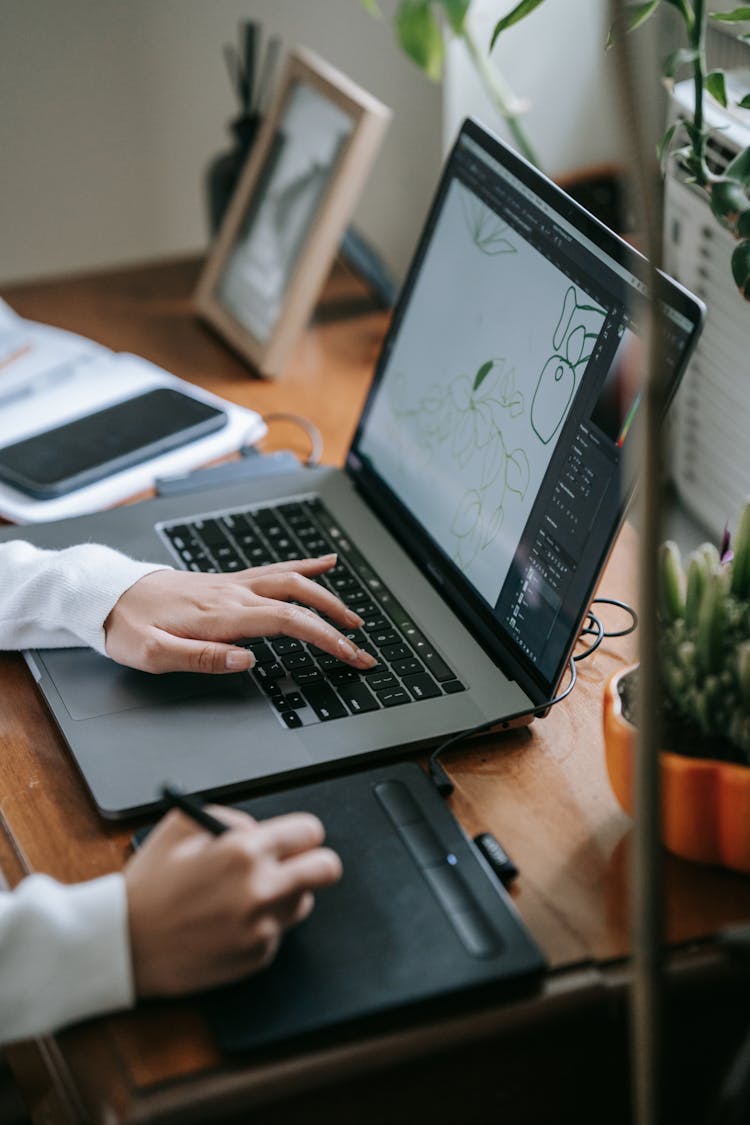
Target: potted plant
(685,140)
(705,669)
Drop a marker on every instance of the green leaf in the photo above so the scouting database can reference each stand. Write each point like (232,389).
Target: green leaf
(641,13)
(717,86)
(685,8)
(525,8)
(481,375)
(455,12)
(739,14)
(672,582)
(744,103)
(681,57)
(420,37)
(634,16)
(739,168)
(662,149)
(372,7)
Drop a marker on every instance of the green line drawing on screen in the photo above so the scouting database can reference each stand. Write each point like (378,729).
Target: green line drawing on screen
(468,416)
(573,340)
(488,232)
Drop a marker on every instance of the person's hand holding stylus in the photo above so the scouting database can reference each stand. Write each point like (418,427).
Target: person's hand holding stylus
(210,896)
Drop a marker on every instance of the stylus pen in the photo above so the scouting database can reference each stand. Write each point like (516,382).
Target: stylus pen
(193,809)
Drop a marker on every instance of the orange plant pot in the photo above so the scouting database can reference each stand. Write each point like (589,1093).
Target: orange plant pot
(705,804)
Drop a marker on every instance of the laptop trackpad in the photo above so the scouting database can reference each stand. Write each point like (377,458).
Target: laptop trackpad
(91,686)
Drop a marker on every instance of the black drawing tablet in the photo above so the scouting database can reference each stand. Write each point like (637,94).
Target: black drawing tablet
(417,924)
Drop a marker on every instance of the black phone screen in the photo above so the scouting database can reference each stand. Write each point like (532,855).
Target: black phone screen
(87,449)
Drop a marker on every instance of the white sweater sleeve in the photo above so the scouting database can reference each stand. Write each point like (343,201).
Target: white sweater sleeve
(53,599)
(64,954)
(64,950)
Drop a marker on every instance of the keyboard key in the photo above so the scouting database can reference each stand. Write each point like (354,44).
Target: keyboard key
(258,555)
(212,533)
(292,719)
(357,637)
(324,702)
(296,660)
(358,698)
(261,652)
(344,675)
(412,633)
(378,669)
(223,551)
(375,622)
(381,637)
(288,701)
(407,667)
(339,582)
(272,671)
(395,610)
(283,645)
(317,546)
(395,652)
(450,687)
(352,598)
(203,564)
(365,608)
(304,676)
(392,697)
(380,680)
(421,686)
(437,665)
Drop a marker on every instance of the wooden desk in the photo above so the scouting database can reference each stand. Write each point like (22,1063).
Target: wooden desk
(555,1056)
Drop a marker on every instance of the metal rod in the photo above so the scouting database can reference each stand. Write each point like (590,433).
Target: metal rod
(646,1027)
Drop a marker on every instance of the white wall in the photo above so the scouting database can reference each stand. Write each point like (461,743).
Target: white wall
(110,111)
(556,61)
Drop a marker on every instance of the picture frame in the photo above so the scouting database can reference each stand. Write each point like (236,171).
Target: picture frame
(290,208)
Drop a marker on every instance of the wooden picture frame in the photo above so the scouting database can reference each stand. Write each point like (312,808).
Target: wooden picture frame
(292,203)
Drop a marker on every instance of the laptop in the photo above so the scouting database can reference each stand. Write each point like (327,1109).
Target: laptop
(485,485)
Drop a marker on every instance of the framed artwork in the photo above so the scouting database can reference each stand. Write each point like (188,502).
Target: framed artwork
(292,203)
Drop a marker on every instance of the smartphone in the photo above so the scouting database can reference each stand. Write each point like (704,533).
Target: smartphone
(58,461)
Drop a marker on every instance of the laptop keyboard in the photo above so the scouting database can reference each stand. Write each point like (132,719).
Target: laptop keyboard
(304,684)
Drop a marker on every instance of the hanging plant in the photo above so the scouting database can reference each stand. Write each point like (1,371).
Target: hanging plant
(685,140)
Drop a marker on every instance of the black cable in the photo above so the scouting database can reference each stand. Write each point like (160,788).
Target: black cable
(440,778)
(631,628)
(592,626)
(595,627)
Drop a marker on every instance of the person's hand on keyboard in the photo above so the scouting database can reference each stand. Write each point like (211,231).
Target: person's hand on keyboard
(204,910)
(182,621)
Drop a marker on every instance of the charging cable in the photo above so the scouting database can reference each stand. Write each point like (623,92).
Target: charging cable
(592,627)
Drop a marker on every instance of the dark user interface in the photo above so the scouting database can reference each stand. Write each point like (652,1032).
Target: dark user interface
(580,500)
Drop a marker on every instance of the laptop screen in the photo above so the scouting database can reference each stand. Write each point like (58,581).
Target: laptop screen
(506,395)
